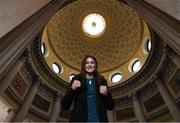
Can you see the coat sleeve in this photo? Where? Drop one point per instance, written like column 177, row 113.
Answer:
column 109, row 101
column 68, row 98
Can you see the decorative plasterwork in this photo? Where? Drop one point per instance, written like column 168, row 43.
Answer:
column 112, row 49
column 123, row 41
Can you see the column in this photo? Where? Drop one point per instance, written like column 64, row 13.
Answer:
column 168, row 99
column 163, row 24
column 56, row 108
column 175, row 58
column 111, row 116
column 11, row 114
column 137, row 108
column 23, row 110
column 8, row 78
column 14, row 43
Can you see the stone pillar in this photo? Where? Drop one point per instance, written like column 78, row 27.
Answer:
column 11, row 114
column 23, row 110
column 16, row 40
column 8, row 78
column 168, row 99
column 56, row 108
column 175, row 58
column 166, row 27
column 137, row 108
column 111, row 116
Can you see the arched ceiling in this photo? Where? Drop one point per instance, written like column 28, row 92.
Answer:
column 117, row 45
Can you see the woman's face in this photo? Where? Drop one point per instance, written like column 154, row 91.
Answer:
column 90, row 65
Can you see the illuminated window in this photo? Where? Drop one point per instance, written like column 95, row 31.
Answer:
column 148, row 46
column 135, row 66
column 44, row 50
column 56, row 68
column 94, row 25
column 116, row 77
column 71, row 76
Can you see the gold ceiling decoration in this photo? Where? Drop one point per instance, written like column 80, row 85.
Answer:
column 113, row 48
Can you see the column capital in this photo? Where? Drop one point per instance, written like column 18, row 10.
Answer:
column 165, row 51
column 36, row 84
column 171, row 53
column 132, row 94
column 58, row 94
column 135, row 96
column 157, row 77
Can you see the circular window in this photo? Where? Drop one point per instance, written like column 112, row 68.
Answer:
column 56, row 68
column 71, row 76
column 116, row 77
column 148, row 46
column 44, row 49
column 135, row 66
column 94, row 25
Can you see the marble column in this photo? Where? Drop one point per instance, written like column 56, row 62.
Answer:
column 168, row 99
column 11, row 114
column 166, row 27
column 8, row 78
column 56, row 108
column 111, row 116
column 137, row 108
column 23, row 109
column 16, row 40
column 175, row 58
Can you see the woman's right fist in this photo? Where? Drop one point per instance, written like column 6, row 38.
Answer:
column 76, row 84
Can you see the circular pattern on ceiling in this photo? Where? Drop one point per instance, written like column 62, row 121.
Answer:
column 94, row 25
column 112, row 49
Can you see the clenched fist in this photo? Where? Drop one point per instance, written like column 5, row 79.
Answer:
column 103, row 89
column 76, row 84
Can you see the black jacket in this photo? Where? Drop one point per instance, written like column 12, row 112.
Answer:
column 79, row 96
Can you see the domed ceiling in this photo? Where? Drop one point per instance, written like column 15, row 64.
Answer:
column 118, row 46
column 119, row 42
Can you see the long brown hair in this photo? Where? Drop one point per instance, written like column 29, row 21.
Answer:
column 83, row 63
column 83, row 71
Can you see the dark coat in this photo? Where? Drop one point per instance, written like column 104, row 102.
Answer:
column 79, row 96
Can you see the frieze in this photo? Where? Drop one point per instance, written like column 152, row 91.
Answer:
column 168, row 70
column 46, row 91
column 123, row 101
column 27, row 73
column 146, row 71
column 147, row 90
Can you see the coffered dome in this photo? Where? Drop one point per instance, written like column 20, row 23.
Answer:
column 109, row 30
column 119, row 42
column 43, row 43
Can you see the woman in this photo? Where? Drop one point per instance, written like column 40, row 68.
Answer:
column 89, row 92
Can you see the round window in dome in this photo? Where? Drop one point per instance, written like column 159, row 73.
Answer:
column 116, row 77
column 56, row 68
